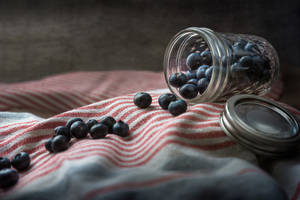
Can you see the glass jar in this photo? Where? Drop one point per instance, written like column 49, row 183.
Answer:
column 201, row 65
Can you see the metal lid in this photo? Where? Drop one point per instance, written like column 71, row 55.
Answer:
column 260, row 125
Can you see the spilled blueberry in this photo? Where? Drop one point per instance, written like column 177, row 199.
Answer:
column 79, row 130
column 4, row 163
column 177, row 107
column 59, row 143
column 98, row 131
column 142, row 100
column 63, row 130
column 8, row 177
column 90, row 123
column 165, row 99
column 71, row 121
column 109, row 122
column 48, row 145
column 21, row 161
column 121, row 129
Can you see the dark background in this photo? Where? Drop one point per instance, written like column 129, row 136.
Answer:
column 40, row 38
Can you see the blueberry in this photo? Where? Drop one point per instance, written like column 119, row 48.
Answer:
column 190, row 74
column 59, row 143
column 201, row 71
column 188, row 91
column 48, row 145
column 202, row 85
column 165, row 99
column 98, row 131
column 121, row 129
column 251, row 48
column 206, row 57
column 109, row 122
column 177, row 79
column 62, row 130
column 21, row 161
column 71, row 121
column 90, row 123
column 193, row 61
column 142, row 100
column 4, row 163
column 8, row 177
column 246, row 61
column 79, row 130
column 259, row 70
column 208, row 73
column 177, row 107
column 236, row 71
column 241, row 43
column 193, row 81
column 259, row 61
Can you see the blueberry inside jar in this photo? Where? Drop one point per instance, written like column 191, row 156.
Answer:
column 201, row 65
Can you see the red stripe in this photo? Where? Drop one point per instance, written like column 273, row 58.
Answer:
column 24, row 95
column 59, row 101
column 60, row 106
column 63, row 95
column 13, row 105
column 33, row 105
column 80, row 96
column 17, row 123
column 12, row 130
column 43, row 100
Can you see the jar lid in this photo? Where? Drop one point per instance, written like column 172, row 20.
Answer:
column 260, row 125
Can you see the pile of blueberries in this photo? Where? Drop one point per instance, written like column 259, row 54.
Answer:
column 249, row 64
column 197, row 78
column 166, row 101
column 77, row 128
column 8, row 176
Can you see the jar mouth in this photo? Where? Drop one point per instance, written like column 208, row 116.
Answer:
column 193, row 40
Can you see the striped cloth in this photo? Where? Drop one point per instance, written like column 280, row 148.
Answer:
column 165, row 157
